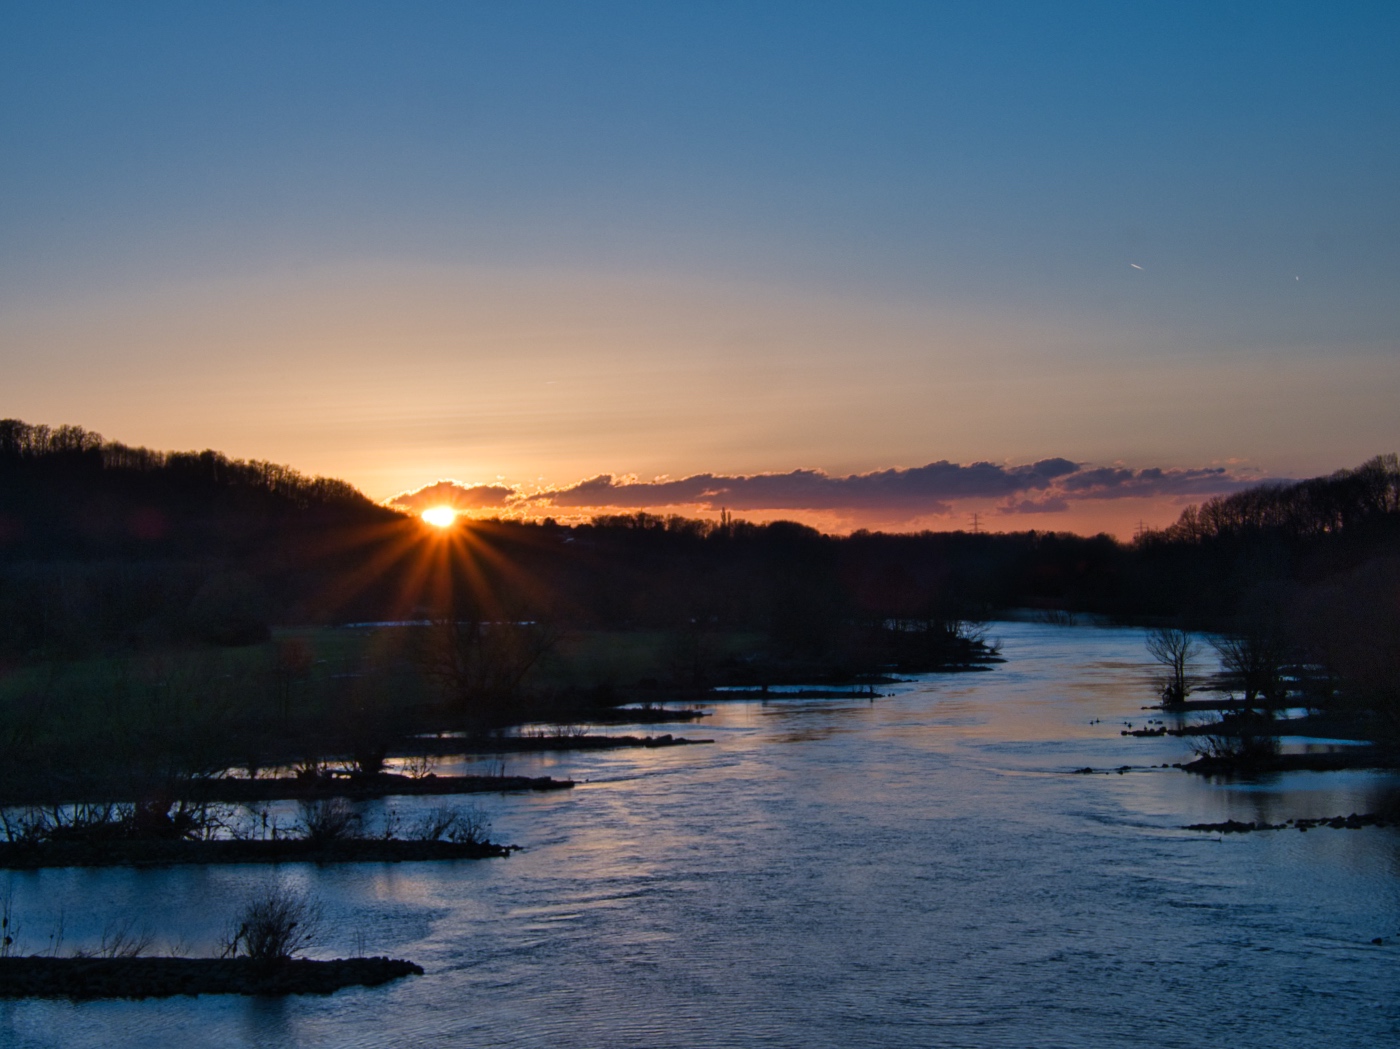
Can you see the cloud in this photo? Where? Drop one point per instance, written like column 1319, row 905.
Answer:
column 1117, row 483
column 1047, row 486
column 922, row 489
column 906, row 494
column 1054, row 504
column 457, row 496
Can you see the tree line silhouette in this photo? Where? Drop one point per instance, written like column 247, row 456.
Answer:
column 99, row 539
column 109, row 548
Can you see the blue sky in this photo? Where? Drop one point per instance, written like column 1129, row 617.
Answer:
column 540, row 242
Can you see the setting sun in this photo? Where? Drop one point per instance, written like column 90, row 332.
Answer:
column 440, row 516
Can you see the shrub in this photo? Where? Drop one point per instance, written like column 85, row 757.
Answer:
column 420, row 766
column 310, row 770
column 273, row 926
column 120, row 940
column 470, row 827
column 328, row 819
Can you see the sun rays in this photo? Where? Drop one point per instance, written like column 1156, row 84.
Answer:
column 427, row 567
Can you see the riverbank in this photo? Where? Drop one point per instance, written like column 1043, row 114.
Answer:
column 87, row 978
column 1255, row 764
column 54, row 790
column 543, row 743
column 361, row 788
column 238, row 789
column 799, row 693
column 1315, row 726
column 1352, row 822
column 646, row 714
column 137, row 853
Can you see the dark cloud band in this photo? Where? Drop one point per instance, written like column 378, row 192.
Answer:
column 1047, row 486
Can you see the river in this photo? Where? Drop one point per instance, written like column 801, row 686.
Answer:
column 923, row 869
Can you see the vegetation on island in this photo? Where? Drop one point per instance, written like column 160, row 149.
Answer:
column 327, row 830
column 258, row 954
column 1310, row 622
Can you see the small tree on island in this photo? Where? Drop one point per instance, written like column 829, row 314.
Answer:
column 273, row 926
column 1257, row 663
column 1175, row 650
column 480, row 666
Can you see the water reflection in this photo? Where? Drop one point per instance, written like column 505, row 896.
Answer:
column 925, row 869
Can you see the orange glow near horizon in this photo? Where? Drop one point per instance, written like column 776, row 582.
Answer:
column 1120, row 518
column 440, row 516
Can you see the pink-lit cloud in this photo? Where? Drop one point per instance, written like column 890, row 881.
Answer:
column 457, row 496
column 1056, row 489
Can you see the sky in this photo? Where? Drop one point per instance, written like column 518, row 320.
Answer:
column 1058, row 265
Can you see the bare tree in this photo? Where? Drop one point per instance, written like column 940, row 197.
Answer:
column 481, row 666
column 1175, row 650
column 1256, row 663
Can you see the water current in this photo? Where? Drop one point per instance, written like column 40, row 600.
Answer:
column 923, row 869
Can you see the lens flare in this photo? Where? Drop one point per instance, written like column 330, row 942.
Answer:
column 440, row 516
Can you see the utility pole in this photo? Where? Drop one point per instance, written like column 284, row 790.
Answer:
column 975, row 519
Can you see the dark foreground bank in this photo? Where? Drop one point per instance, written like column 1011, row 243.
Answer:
column 165, row 977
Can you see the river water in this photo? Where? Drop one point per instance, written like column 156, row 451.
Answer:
column 920, row 870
